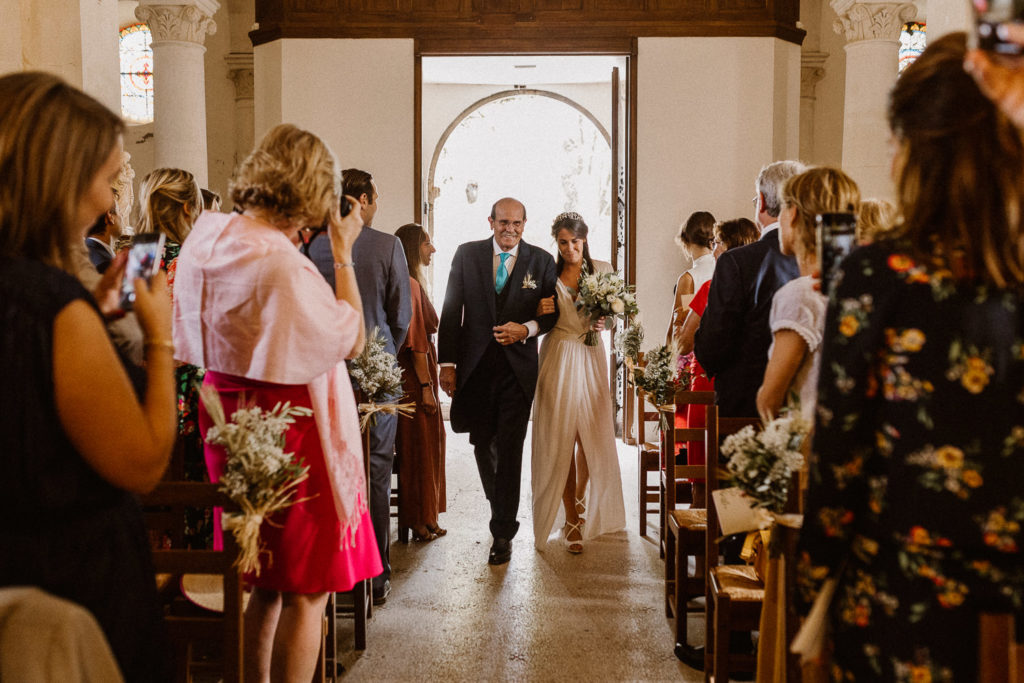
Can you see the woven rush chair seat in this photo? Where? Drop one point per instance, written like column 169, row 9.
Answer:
column 692, row 519
column 739, row 582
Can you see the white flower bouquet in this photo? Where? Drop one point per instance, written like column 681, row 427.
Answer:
column 603, row 295
column 259, row 476
column 377, row 374
column 761, row 463
column 660, row 377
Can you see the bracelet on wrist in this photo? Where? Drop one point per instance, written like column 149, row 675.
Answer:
column 339, row 266
column 159, row 344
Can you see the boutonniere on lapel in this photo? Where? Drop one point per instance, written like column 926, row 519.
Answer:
column 529, row 282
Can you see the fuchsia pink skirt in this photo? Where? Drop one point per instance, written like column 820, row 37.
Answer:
column 303, row 542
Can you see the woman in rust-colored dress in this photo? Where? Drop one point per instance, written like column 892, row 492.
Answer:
column 420, row 443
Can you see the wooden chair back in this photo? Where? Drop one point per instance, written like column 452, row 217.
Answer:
column 186, row 624
column 676, row 437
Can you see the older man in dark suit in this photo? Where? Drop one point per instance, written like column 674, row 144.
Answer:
column 383, row 278
column 733, row 338
column 487, row 348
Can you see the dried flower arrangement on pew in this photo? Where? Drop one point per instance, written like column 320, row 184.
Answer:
column 377, row 374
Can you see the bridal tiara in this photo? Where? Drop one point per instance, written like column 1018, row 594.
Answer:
column 568, row 215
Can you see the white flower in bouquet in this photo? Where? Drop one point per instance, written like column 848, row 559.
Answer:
column 660, row 377
column 761, row 463
column 603, row 295
column 377, row 374
column 259, row 475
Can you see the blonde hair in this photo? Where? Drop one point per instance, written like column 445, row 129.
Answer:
column 164, row 196
column 875, row 218
column 822, row 189
column 291, row 173
column 54, row 139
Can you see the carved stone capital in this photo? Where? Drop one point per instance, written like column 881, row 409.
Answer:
column 812, row 70
column 242, row 74
column 179, row 20
column 871, row 19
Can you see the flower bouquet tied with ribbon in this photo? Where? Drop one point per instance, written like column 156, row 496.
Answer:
column 629, row 344
column 603, row 295
column 377, row 374
column 258, row 475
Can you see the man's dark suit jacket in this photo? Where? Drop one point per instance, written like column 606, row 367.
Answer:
column 383, row 278
column 733, row 338
column 99, row 254
column 472, row 309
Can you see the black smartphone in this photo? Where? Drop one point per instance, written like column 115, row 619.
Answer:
column 837, row 236
column 988, row 14
column 345, row 205
column 143, row 261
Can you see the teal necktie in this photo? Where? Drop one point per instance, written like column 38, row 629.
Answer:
column 502, row 276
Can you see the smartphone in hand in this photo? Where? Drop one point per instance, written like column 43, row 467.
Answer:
column 837, row 236
column 988, row 14
column 143, row 261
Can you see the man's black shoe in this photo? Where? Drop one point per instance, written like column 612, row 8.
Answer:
column 380, row 596
column 691, row 656
column 501, row 551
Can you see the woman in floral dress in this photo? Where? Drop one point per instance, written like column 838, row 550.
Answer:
column 915, row 503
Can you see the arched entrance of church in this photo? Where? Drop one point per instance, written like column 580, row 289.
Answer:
column 541, row 147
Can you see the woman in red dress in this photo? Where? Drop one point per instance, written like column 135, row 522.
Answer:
column 420, row 443
column 261, row 319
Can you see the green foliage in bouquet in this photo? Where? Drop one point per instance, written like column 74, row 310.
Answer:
column 629, row 343
column 762, row 463
column 603, row 295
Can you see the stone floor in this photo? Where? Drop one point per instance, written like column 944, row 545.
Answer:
column 548, row 616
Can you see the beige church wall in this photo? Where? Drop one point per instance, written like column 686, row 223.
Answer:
column 444, row 102
column 220, row 105
column 361, row 105
column 830, row 92
column 10, row 36
column 946, row 16
column 702, row 136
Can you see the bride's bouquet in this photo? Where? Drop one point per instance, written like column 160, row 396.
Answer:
column 761, row 463
column 259, row 476
column 377, row 374
column 603, row 295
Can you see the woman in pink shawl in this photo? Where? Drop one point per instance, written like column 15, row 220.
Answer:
column 262, row 320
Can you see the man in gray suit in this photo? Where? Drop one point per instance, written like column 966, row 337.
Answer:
column 383, row 278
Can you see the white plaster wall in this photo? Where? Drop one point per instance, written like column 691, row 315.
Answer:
column 100, row 57
column 702, row 136
column 946, row 16
column 368, row 122
column 830, row 93
column 220, row 105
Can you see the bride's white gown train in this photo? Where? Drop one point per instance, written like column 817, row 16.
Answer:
column 573, row 399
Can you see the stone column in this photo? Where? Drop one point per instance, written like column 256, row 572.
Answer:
column 872, row 32
column 812, row 70
column 240, row 71
column 179, row 28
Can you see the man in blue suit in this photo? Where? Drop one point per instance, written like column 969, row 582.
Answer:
column 383, row 278
column 487, row 348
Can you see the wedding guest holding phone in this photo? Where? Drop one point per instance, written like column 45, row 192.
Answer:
column 420, row 442
column 797, row 319
column 81, row 429
column 268, row 328
column 914, row 505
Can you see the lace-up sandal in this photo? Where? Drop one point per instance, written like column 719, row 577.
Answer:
column 581, row 508
column 574, row 546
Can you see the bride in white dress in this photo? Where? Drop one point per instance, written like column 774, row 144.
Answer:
column 575, row 471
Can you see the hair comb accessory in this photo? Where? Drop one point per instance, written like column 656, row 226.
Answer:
column 567, row 215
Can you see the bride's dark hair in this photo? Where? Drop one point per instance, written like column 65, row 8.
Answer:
column 573, row 222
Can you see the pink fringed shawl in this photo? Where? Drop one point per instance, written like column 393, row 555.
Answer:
column 247, row 303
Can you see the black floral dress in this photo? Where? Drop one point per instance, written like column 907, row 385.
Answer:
column 916, row 498
column 198, row 522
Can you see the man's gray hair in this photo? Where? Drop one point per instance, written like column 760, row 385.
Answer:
column 771, row 179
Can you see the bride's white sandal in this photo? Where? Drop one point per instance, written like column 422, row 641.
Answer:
column 574, row 547
column 581, row 508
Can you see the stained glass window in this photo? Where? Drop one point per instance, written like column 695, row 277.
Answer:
column 136, row 74
column 912, row 42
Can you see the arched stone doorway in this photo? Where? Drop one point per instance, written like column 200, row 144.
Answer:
column 541, row 147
